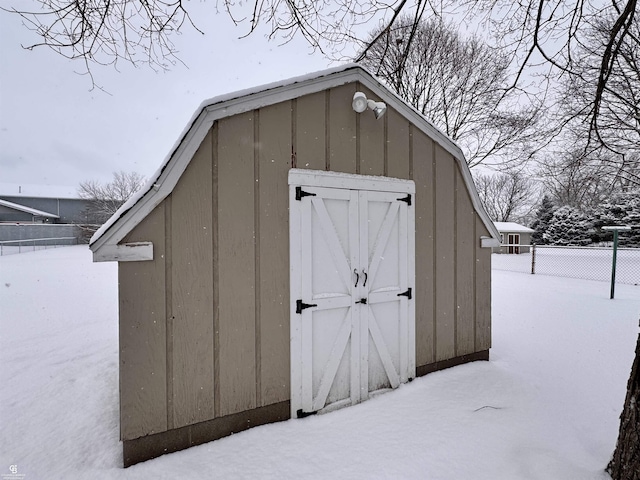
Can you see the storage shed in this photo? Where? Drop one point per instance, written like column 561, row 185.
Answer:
column 304, row 246
column 514, row 238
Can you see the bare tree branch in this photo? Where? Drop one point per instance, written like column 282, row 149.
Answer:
column 507, row 197
column 604, row 121
column 106, row 198
column 544, row 40
column 106, row 32
column 459, row 84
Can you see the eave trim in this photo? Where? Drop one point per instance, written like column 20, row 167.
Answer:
column 125, row 252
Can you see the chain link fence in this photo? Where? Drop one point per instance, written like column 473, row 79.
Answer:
column 589, row 263
column 27, row 237
column 10, row 247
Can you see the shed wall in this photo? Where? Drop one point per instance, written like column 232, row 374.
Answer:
column 188, row 235
column 143, row 334
column 205, row 325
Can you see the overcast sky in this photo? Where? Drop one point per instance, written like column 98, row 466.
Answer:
column 55, row 131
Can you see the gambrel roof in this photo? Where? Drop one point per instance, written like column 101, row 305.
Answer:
column 161, row 184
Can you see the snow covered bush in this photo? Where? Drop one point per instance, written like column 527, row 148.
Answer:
column 568, row 226
column 621, row 209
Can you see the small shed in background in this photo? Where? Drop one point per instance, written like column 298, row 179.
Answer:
column 304, row 246
column 514, row 238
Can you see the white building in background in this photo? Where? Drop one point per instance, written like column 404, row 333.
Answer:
column 514, row 238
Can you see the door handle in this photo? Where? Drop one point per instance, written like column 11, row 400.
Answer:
column 365, row 278
column 357, row 277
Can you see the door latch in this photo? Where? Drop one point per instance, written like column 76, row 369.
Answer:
column 362, row 301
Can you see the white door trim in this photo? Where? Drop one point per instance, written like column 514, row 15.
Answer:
column 320, row 178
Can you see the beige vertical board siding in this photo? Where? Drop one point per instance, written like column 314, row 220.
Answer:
column 192, row 291
column 465, row 270
column 143, row 361
column 310, row 130
column 342, row 129
column 423, row 177
column 273, row 205
column 236, row 257
column 215, row 295
column 371, row 139
column 483, row 290
column 397, row 144
column 445, row 254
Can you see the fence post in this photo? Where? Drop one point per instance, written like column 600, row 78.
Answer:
column 613, row 265
column 533, row 259
column 615, row 229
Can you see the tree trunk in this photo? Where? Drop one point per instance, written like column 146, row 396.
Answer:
column 625, row 464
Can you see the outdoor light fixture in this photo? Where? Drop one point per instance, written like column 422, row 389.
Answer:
column 360, row 104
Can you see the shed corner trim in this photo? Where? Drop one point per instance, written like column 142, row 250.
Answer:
column 125, row 252
column 489, row 242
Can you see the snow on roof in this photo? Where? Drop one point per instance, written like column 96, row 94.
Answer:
column 512, row 227
column 38, row 191
column 32, row 211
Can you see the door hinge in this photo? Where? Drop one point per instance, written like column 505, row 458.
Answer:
column 406, row 199
column 406, row 294
column 301, row 306
column 302, row 414
column 301, row 193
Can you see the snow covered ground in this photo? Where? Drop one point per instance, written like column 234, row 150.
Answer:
column 545, row 407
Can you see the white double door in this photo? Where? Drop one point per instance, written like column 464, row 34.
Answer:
column 353, row 320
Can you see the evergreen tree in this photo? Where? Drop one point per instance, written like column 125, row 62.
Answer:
column 568, row 226
column 621, row 209
column 543, row 217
